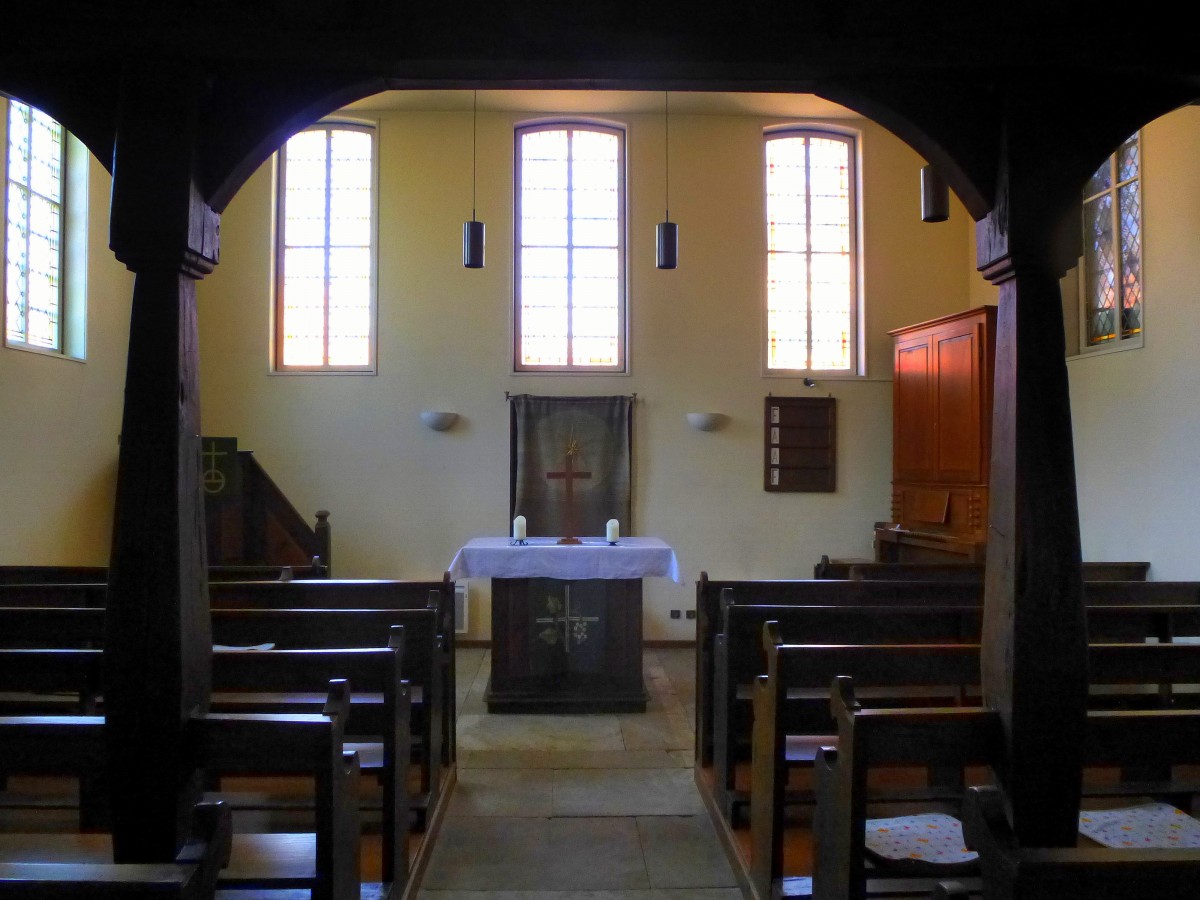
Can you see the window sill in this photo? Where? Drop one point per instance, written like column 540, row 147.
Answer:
column 1109, row 349
column 44, row 351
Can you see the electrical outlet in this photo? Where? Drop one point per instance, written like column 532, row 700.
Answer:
column 691, row 614
column 674, row 614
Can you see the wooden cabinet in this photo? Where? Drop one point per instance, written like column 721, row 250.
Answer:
column 942, row 418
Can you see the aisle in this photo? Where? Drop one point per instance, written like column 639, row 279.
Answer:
column 599, row 807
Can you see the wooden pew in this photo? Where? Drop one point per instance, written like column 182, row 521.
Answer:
column 99, row 574
column 710, row 595
column 739, row 658
column 1150, row 741
column 322, row 594
column 277, row 681
column 896, row 571
column 325, row 862
column 790, row 732
column 192, row 876
column 359, row 594
column 1011, row 872
column 424, row 664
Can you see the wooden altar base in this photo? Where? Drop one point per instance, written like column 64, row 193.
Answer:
column 566, row 646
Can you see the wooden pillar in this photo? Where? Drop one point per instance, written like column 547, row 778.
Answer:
column 1034, row 637
column 158, row 641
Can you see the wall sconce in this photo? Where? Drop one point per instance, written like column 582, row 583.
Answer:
column 438, row 420
column 707, row 421
column 667, row 233
column 809, row 383
column 473, row 230
column 935, row 196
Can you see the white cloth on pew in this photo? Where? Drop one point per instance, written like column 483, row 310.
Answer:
column 243, row 647
column 1149, row 826
column 544, row 557
column 931, row 841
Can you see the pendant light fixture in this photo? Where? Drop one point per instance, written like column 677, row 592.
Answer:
column 473, row 230
column 935, row 196
column 668, row 231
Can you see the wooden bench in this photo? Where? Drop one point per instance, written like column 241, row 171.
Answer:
column 1149, row 742
column 325, row 862
column 711, row 595
column 915, row 571
column 99, row 574
column 1011, row 872
column 739, row 658
column 425, row 662
column 192, row 876
column 378, row 724
column 423, row 666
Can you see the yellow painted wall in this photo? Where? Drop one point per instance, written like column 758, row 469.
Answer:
column 1136, row 412
column 404, row 498
column 61, row 417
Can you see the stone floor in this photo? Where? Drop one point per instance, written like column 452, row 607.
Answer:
column 599, row 807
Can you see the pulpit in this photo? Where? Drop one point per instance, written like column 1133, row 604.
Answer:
column 566, row 620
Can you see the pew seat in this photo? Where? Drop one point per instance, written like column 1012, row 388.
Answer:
column 192, row 875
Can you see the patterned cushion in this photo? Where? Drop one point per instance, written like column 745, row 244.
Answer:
column 932, row 842
column 1150, row 826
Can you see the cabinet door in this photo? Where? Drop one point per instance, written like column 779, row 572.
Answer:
column 959, row 362
column 914, row 428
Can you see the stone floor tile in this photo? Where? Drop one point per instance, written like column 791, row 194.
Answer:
column 536, row 854
column 523, row 732
column 502, row 792
column 626, row 792
column 678, row 851
column 569, row 759
column 655, row 731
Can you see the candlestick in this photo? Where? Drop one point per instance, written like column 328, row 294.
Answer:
column 612, row 531
column 519, row 528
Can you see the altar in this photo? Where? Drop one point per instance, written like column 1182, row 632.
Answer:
column 566, row 620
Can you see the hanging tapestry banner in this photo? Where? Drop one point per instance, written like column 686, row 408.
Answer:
column 570, row 463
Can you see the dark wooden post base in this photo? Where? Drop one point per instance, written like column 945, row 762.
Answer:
column 1035, row 647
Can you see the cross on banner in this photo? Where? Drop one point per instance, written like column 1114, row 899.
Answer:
column 568, row 476
column 599, row 483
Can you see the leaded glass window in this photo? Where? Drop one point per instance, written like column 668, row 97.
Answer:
column 33, row 244
column 325, row 258
column 812, row 266
column 570, row 248
column 1112, row 250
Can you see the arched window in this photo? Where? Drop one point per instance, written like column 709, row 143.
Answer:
column 812, row 321
column 325, row 251
column 570, row 248
column 45, row 305
column 1111, row 286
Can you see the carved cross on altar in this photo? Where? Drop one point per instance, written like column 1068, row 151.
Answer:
column 568, row 475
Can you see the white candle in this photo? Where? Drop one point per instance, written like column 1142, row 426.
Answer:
column 519, row 528
column 612, row 530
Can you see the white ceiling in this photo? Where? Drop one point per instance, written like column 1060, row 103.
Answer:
column 602, row 102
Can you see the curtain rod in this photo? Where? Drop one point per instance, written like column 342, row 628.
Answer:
column 633, row 397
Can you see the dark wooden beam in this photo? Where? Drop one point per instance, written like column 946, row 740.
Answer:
column 157, row 643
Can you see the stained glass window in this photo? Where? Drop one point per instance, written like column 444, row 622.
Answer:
column 570, row 248
column 325, row 310
column 1111, row 282
column 33, row 244
column 812, row 297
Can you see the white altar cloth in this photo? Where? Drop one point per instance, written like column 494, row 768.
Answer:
column 543, row 557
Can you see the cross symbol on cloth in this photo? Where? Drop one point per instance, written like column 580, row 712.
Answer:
column 568, row 475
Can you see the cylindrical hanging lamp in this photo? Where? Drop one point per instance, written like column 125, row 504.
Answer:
column 473, row 231
column 667, row 244
column 935, row 196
